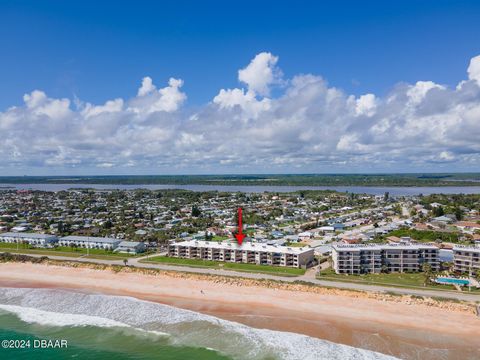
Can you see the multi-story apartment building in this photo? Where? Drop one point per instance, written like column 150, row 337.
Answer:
column 248, row 253
column 89, row 242
column 40, row 240
column 373, row 258
column 466, row 259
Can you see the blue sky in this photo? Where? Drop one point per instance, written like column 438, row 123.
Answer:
column 92, row 52
column 100, row 49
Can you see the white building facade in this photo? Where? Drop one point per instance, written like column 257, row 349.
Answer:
column 373, row 258
column 248, row 253
column 89, row 242
column 130, row 247
column 40, row 240
column 466, row 259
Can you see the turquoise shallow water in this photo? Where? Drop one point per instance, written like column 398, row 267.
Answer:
column 118, row 327
column 92, row 342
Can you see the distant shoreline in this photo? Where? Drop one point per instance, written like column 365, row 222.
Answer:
column 321, row 180
column 371, row 190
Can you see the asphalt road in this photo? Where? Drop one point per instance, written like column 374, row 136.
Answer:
column 308, row 277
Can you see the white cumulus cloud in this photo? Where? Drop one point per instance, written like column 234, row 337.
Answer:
column 260, row 73
column 309, row 126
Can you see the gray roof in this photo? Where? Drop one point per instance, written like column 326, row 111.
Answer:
column 28, row 235
column 129, row 244
column 90, row 239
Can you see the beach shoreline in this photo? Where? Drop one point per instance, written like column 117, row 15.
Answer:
column 395, row 325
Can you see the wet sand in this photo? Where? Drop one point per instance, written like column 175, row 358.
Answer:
column 406, row 330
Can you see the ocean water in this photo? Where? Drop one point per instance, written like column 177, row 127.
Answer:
column 117, row 327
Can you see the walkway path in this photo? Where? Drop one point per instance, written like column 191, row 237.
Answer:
column 309, row 277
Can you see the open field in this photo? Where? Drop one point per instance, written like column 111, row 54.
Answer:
column 296, row 244
column 426, row 235
column 219, row 238
column 221, row 265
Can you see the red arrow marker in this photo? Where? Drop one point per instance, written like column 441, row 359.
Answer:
column 240, row 235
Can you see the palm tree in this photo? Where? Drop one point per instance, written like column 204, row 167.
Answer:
column 125, row 262
column 427, row 272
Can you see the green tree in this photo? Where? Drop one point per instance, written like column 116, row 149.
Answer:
column 438, row 211
column 196, row 211
column 386, row 196
column 427, row 273
column 459, row 214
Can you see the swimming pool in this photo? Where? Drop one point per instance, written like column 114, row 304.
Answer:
column 452, row 281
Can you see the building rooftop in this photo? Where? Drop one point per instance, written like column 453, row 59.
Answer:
column 90, row 239
column 129, row 244
column 245, row 246
column 467, row 248
column 369, row 247
column 28, row 235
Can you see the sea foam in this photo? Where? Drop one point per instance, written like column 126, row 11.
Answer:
column 186, row 328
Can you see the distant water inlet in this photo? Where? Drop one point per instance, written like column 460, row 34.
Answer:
column 116, row 327
column 372, row 190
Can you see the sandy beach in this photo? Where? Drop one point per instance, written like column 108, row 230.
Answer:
column 400, row 326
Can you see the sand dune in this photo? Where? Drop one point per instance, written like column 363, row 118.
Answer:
column 405, row 328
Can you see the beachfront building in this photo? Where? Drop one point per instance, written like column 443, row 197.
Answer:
column 248, row 253
column 130, row 247
column 89, row 242
column 375, row 258
column 40, row 240
column 466, row 259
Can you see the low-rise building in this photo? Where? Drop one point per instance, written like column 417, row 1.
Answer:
column 466, row 259
column 40, row 240
column 249, row 253
column 373, row 258
column 89, row 242
column 130, row 247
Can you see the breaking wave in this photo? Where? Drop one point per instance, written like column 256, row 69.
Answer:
column 185, row 328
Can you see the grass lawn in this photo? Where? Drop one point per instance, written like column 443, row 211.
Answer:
column 412, row 280
column 40, row 252
column 219, row 238
column 295, row 244
column 61, row 251
column 275, row 270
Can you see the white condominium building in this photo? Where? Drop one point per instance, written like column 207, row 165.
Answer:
column 89, row 242
column 466, row 259
column 249, row 253
column 40, row 240
column 373, row 258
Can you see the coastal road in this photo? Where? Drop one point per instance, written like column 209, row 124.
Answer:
column 309, row 277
